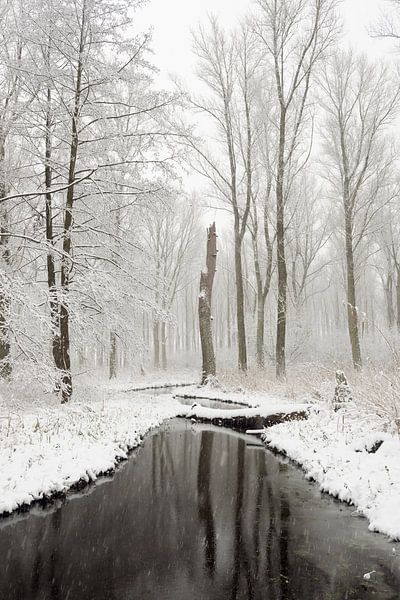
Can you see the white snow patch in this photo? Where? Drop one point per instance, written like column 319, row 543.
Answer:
column 47, row 448
column 284, row 408
column 257, row 404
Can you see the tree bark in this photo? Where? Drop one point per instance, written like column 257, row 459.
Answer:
column 389, row 300
column 228, row 315
column 260, row 298
column 156, row 344
column 260, row 353
column 241, row 326
column 280, row 252
column 205, row 297
column 66, row 264
column 187, row 323
column 262, row 287
column 5, row 364
column 398, row 297
column 113, row 355
column 352, row 315
column 51, row 271
column 164, row 345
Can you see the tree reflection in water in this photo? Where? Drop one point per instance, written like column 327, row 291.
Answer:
column 206, row 516
column 201, row 514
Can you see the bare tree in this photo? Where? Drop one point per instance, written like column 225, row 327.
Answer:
column 388, row 26
column 81, row 169
column 295, row 35
column 170, row 242
column 387, row 261
column 361, row 101
column 11, row 106
column 255, row 135
column 218, row 55
column 262, row 239
column 205, row 298
column 308, row 234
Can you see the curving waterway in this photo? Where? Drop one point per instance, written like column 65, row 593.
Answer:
column 198, row 513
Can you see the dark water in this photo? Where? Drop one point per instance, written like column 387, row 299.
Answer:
column 190, row 401
column 211, row 403
column 198, row 513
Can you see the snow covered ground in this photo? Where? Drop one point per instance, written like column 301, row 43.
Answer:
column 47, row 448
column 151, row 379
column 266, row 402
column 342, row 453
column 254, row 404
column 210, row 392
column 267, row 409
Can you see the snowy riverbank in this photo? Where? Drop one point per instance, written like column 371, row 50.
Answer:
column 46, row 448
column 350, row 458
column 261, row 402
column 349, row 453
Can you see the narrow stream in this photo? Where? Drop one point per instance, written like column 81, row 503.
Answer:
column 208, row 403
column 198, row 513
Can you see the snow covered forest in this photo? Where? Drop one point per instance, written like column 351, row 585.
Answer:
column 289, row 143
column 239, row 226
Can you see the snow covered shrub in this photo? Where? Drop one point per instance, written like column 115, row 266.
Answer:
column 377, row 394
column 342, row 391
column 213, row 382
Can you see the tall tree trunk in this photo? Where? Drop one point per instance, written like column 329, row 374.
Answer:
column 260, row 353
column 241, row 327
column 389, row 300
column 187, row 323
column 280, row 254
column 228, row 316
column 240, row 230
column 352, row 315
column 260, row 302
column 205, row 297
column 66, row 261
column 113, row 356
column 51, row 271
column 262, row 289
column 144, row 328
column 147, row 329
column 164, row 345
column 156, row 344
column 398, row 297
column 337, row 311
column 5, row 363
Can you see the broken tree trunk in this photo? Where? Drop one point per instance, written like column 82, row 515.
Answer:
column 206, row 285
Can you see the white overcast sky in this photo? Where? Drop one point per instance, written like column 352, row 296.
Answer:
column 173, row 20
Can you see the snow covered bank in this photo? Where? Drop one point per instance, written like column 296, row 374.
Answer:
column 152, row 380
column 46, row 448
column 266, row 402
column 198, row 392
column 275, row 408
column 343, row 454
